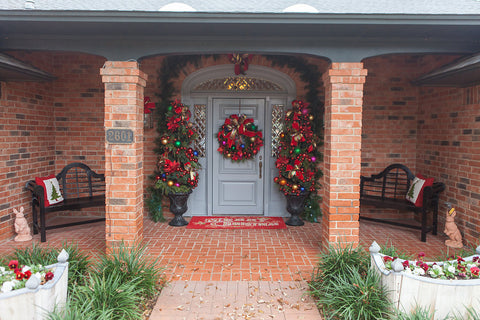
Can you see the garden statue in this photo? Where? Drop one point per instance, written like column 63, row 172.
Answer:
column 21, row 226
column 451, row 229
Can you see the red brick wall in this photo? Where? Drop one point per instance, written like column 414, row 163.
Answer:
column 26, row 142
column 47, row 125
column 391, row 114
column 449, row 138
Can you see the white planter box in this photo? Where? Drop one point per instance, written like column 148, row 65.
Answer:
column 35, row 300
column 443, row 297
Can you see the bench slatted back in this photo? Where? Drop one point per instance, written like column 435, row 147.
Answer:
column 77, row 181
column 392, row 183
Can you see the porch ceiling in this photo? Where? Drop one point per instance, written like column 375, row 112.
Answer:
column 340, row 37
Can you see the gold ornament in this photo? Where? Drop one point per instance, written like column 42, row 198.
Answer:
column 253, row 139
column 164, row 140
column 294, row 187
column 282, row 135
column 310, row 117
column 228, row 155
column 282, row 182
column 170, row 183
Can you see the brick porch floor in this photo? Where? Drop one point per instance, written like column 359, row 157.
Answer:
column 231, row 255
column 236, row 274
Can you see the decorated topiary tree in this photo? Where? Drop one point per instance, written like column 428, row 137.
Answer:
column 177, row 165
column 176, row 173
column 298, row 157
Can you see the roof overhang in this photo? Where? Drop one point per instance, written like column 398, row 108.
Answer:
column 12, row 69
column 120, row 35
column 461, row 73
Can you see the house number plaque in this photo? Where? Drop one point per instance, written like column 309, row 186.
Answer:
column 119, row 136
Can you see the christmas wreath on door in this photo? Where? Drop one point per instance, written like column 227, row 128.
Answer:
column 239, row 138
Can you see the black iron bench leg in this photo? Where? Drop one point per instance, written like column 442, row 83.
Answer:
column 424, row 225
column 435, row 218
column 34, row 217
column 43, row 236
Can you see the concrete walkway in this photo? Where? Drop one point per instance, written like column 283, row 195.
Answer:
column 232, row 300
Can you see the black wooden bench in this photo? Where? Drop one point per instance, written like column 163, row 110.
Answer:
column 80, row 187
column 389, row 188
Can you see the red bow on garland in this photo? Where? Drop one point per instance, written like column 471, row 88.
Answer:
column 148, row 105
column 241, row 62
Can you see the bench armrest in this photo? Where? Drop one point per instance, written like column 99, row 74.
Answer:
column 36, row 190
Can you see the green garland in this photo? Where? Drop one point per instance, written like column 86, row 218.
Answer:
column 172, row 67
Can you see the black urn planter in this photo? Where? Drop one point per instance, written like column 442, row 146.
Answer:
column 178, row 206
column 295, row 206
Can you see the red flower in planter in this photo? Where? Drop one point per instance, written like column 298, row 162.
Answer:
column 475, row 271
column 13, row 264
column 19, row 276
column 27, row 274
column 405, row 264
column 49, row 276
column 421, row 255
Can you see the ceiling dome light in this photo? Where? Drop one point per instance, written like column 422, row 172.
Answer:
column 177, row 7
column 301, row 8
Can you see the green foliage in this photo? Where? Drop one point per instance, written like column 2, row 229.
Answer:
column 468, row 249
column 78, row 260
column 345, row 287
column 355, row 296
column 389, row 250
column 133, row 265
column 107, row 296
column 312, row 208
column 423, row 313
column 417, row 314
column 337, row 262
column 35, row 255
column 154, row 205
column 117, row 287
column 78, row 264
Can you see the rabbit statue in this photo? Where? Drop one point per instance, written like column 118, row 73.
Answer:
column 451, row 230
column 21, row 226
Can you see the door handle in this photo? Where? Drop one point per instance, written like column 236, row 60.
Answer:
column 260, row 164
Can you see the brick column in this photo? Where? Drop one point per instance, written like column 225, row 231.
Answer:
column 124, row 85
column 342, row 155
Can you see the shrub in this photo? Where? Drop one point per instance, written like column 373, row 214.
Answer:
column 345, row 287
column 104, row 297
column 338, row 261
column 133, row 265
column 356, row 296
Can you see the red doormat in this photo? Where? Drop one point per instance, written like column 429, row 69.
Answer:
column 236, row 223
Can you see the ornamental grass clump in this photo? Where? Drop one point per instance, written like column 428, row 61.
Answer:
column 119, row 286
column 107, row 296
column 135, row 266
column 346, row 288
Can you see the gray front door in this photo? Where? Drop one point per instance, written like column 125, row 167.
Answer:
column 238, row 186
